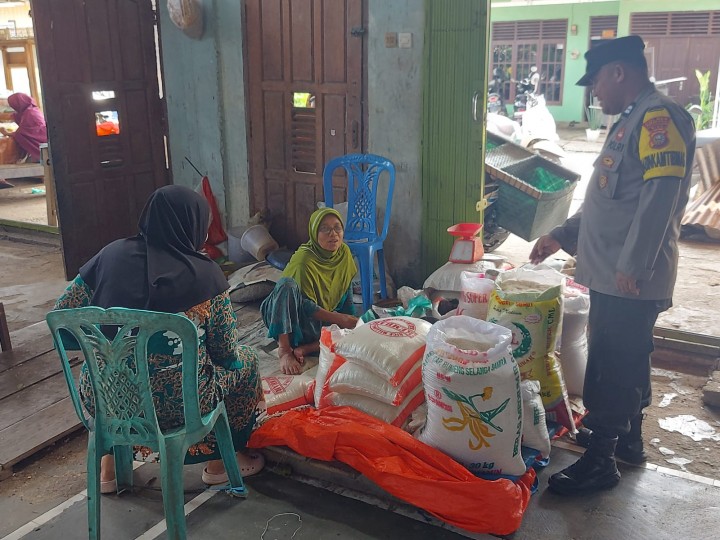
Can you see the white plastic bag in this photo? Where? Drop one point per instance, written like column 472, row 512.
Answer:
column 472, row 389
column 475, row 294
column 535, row 432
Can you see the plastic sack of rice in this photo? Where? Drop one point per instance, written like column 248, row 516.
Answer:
column 352, row 378
column 285, row 392
column 328, row 363
column 535, row 431
column 389, row 347
column 573, row 346
column 528, row 301
column 472, row 389
column 392, row 414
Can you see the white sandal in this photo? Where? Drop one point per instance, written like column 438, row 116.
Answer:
column 257, row 462
column 108, row 486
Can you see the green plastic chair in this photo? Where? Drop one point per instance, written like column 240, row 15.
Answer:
column 124, row 409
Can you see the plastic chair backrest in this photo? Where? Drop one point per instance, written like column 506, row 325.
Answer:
column 114, row 343
column 363, row 174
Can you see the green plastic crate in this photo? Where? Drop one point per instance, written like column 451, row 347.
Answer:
column 534, row 196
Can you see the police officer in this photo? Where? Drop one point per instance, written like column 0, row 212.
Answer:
column 625, row 241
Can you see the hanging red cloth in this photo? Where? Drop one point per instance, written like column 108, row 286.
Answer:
column 216, row 232
column 403, row 466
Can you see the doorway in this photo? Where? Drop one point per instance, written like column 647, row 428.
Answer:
column 105, row 118
column 23, row 191
column 305, row 72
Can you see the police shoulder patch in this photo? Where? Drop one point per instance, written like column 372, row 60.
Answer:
column 662, row 149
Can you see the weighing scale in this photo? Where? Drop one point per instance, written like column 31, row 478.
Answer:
column 468, row 247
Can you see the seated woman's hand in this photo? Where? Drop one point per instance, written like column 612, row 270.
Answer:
column 346, row 321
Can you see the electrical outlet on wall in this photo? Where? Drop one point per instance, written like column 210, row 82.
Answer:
column 405, row 40
column 391, row 40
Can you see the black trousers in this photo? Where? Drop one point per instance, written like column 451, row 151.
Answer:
column 617, row 379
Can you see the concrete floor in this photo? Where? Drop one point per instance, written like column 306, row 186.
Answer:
column 647, row 504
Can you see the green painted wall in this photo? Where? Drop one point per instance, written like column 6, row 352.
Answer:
column 579, row 14
column 205, row 95
column 455, row 70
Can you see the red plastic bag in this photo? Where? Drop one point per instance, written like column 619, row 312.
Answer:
column 403, row 466
column 216, row 232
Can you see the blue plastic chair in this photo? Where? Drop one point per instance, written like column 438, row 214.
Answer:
column 361, row 231
column 124, row 409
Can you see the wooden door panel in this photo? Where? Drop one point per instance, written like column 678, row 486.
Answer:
column 301, row 39
column 302, row 47
column 102, row 182
column 335, row 133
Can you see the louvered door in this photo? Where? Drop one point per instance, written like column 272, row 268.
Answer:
column 305, row 82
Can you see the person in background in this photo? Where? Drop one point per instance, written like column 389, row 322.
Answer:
column 162, row 269
column 31, row 131
column 316, row 288
column 625, row 236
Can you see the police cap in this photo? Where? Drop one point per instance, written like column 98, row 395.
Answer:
column 628, row 49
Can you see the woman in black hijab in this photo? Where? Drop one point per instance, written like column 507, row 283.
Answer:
column 162, row 269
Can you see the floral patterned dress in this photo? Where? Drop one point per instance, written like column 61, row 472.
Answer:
column 227, row 371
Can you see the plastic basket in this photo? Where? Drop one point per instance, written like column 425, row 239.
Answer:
column 534, row 197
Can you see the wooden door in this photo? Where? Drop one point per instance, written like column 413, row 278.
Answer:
column 679, row 57
column 104, row 115
column 305, row 83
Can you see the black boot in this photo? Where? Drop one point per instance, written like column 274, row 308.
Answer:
column 594, row 471
column 629, row 447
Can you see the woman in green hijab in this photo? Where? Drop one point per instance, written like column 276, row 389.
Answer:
column 315, row 289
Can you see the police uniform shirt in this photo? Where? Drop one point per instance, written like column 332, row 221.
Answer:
column 630, row 219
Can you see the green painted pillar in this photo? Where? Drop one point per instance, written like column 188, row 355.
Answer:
column 454, row 105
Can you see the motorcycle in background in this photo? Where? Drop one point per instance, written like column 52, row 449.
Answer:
column 495, row 101
column 526, row 91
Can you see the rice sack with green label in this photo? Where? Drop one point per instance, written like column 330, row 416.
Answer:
column 472, row 389
column 528, row 301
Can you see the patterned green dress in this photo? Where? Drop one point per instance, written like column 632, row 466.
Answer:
column 227, row 371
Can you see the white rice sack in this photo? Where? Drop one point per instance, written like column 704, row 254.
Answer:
column 528, row 301
column 472, row 389
column 392, row 414
column 352, row 378
column 535, row 433
column 285, row 392
column 573, row 346
column 389, row 347
column 328, row 362
column 475, row 295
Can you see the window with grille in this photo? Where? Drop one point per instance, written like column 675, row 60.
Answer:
column 519, row 45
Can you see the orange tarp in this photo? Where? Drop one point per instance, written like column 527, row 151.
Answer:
column 403, row 466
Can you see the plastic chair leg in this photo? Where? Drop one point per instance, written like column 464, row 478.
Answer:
column 381, row 273
column 123, row 467
column 93, row 488
column 227, row 451
column 366, row 278
column 171, row 477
